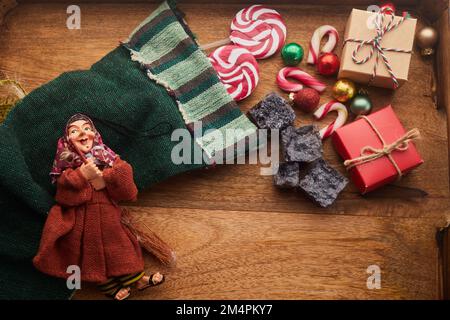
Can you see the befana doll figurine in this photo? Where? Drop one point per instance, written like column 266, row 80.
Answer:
column 84, row 228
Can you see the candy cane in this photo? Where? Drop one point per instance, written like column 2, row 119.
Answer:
column 323, row 110
column 314, row 47
column 300, row 75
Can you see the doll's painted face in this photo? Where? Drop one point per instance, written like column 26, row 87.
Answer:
column 81, row 134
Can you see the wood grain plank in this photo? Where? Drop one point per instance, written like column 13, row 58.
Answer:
column 241, row 188
column 5, row 7
column 236, row 235
column 247, row 255
column 443, row 63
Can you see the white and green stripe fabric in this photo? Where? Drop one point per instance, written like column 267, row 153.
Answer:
column 167, row 51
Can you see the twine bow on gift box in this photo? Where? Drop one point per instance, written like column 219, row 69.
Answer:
column 375, row 43
column 369, row 153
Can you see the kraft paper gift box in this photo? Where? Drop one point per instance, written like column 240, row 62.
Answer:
column 361, row 27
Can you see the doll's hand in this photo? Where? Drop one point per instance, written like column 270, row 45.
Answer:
column 90, row 171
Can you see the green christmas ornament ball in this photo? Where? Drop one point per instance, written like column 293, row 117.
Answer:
column 292, row 54
column 361, row 105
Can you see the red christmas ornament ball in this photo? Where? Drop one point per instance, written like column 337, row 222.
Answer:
column 306, row 99
column 388, row 6
column 328, row 64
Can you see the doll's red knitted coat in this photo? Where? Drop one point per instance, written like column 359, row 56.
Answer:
column 84, row 228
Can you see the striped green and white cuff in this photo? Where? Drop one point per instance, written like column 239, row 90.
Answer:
column 167, row 51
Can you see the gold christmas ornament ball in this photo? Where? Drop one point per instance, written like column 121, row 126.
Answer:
column 344, row 90
column 426, row 40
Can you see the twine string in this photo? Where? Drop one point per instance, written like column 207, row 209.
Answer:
column 375, row 44
column 369, row 153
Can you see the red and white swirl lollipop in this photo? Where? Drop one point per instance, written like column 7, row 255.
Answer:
column 259, row 29
column 237, row 70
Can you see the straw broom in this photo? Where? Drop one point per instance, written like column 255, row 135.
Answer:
column 148, row 239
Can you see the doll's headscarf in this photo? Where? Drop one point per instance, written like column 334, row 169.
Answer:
column 67, row 156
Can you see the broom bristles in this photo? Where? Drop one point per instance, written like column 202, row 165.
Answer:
column 149, row 240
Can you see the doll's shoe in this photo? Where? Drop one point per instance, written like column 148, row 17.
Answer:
column 152, row 283
column 123, row 297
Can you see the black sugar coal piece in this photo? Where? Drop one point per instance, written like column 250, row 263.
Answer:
column 287, row 175
column 273, row 112
column 322, row 183
column 302, row 144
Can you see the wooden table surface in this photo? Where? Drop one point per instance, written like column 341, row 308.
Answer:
column 235, row 234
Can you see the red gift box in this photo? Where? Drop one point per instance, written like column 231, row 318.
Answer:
column 353, row 138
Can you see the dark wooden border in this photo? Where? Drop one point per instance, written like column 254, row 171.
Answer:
column 437, row 14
